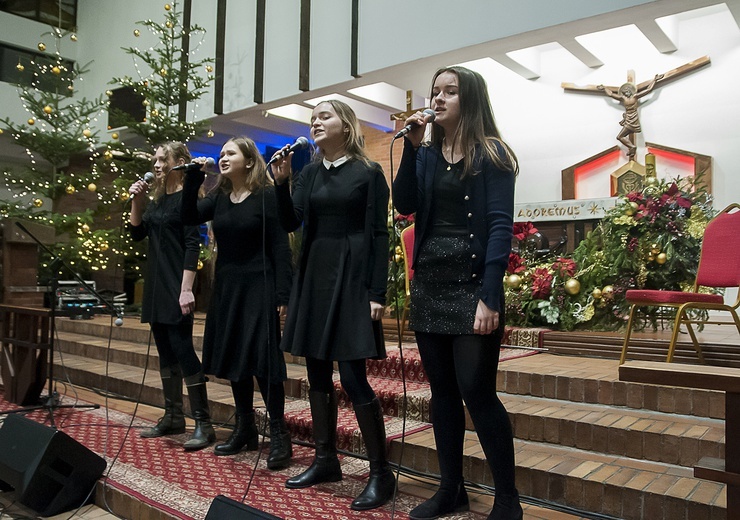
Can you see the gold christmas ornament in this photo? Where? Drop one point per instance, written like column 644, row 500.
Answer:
column 155, row 112
column 168, row 24
column 650, row 257
column 56, row 70
column 85, row 228
column 31, row 121
column 20, row 67
column 48, row 109
column 137, row 33
column 86, row 132
column 513, row 281
column 104, row 246
column 124, row 196
column 109, row 93
column 397, row 258
column 1, row 131
column 200, row 265
column 162, row 72
column 596, row 293
column 608, row 292
column 167, row 7
column 572, row 286
column 107, row 155
column 209, row 69
column 210, row 133
column 145, row 103
column 92, row 187
column 114, row 135
column 70, row 189
column 654, row 249
column 38, row 203
column 661, row 258
column 73, row 37
column 42, row 47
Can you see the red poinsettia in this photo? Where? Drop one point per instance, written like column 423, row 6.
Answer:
column 564, row 267
column 541, row 283
column 523, row 229
column 673, row 193
column 407, row 218
column 516, row 264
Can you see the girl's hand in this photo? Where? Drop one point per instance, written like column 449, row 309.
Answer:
column 486, row 320
column 281, row 168
column 376, row 311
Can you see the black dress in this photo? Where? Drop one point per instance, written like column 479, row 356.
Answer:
column 344, row 260
column 173, row 247
column 252, row 278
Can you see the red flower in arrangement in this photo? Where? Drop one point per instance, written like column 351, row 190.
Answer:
column 516, row 264
column 541, row 283
column 564, row 267
column 635, row 196
column 523, row 229
column 408, row 218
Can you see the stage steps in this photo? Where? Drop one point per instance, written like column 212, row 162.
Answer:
column 583, row 438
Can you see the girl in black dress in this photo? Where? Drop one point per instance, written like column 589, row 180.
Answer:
column 341, row 199
column 251, row 286
column 168, row 294
column 461, row 186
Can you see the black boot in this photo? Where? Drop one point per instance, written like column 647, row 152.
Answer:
column 506, row 507
column 173, row 421
column 281, row 449
column 381, row 483
column 325, row 467
column 245, row 434
column 203, row 435
column 448, row 499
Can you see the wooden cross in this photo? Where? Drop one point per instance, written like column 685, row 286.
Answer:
column 628, row 95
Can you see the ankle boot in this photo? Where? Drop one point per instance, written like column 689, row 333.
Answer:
column 281, row 448
column 448, row 499
column 381, row 483
column 173, row 421
column 325, row 467
column 203, row 435
column 245, row 434
column 506, row 507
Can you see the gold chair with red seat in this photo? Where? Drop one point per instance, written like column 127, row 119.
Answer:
column 407, row 247
column 719, row 267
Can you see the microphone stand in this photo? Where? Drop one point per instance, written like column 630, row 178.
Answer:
column 51, row 401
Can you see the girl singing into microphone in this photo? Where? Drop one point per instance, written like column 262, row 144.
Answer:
column 341, row 199
column 251, row 285
column 168, row 303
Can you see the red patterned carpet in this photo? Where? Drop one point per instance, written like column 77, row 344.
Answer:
column 160, row 473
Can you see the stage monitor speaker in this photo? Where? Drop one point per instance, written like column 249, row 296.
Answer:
column 49, row 471
column 223, row 508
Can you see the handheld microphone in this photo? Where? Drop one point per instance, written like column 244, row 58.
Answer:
column 299, row 144
column 149, row 179
column 193, row 166
column 119, row 321
column 430, row 115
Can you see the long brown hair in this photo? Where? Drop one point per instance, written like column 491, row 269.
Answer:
column 173, row 150
column 477, row 125
column 257, row 176
column 354, row 141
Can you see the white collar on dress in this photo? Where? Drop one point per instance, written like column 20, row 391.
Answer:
column 328, row 164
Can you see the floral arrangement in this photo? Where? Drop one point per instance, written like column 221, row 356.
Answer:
column 650, row 240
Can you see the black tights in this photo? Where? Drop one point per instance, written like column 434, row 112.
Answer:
column 272, row 394
column 464, row 368
column 352, row 375
column 175, row 346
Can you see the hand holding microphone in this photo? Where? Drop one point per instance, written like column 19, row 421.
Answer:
column 418, row 120
column 141, row 186
column 279, row 166
column 199, row 163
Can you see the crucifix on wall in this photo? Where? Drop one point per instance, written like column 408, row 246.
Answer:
column 628, row 95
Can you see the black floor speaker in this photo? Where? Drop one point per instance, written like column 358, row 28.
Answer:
column 224, row 508
column 49, row 471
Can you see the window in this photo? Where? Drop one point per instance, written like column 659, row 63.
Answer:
column 11, row 56
column 58, row 13
column 125, row 106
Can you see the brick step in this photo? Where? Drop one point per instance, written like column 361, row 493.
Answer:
column 622, row 487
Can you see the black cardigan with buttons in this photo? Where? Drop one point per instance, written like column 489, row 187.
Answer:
column 489, row 201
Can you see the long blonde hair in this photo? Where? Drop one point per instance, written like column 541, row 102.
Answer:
column 173, row 150
column 354, row 140
column 477, row 125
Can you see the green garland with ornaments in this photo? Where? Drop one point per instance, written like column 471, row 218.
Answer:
column 650, row 240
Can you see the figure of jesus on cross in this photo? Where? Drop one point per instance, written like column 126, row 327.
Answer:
column 628, row 96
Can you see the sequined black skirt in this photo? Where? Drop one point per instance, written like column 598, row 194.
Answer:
column 444, row 296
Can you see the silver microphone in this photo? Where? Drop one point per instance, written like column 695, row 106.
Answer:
column 430, row 115
column 193, row 166
column 299, row 144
